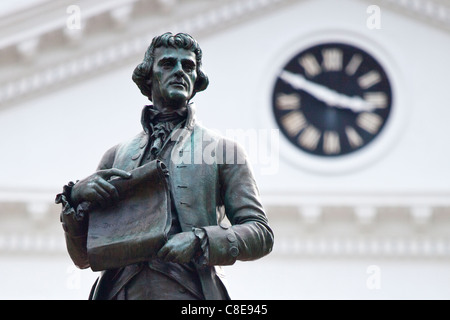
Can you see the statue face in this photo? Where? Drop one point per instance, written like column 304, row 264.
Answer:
column 174, row 75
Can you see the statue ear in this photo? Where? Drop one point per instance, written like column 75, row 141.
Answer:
column 202, row 82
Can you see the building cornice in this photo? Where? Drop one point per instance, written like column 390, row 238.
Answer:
column 52, row 56
column 39, row 53
column 338, row 234
column 432, row 12
column 414, row 247
column 435, row 13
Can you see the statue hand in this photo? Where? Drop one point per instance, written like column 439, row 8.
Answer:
column 180, row 248
column 96, row 189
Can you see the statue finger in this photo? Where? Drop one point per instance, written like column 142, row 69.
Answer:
column 108, row 173
column 102, row 197
column 110, row 189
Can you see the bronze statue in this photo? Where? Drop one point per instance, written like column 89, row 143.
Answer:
column 197, row 187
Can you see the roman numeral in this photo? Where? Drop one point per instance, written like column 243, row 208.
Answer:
column 310, row 64
column 353, row 137
column 309, row 138
column 370, row 122
column 332, row 59
column 378, row 99
column 288, row 101
column 353, row 65
column 331, row 144
column 293, row 122
column 369, row 79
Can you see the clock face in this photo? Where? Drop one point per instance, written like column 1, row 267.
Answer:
column 332, row 99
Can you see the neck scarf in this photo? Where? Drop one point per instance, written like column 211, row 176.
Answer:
column 161, row 125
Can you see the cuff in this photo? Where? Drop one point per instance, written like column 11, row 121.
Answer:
column 63, row 198
column 223, row 245
column 72, row 219
column 203, row 257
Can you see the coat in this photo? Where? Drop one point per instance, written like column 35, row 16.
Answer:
column 213, row 188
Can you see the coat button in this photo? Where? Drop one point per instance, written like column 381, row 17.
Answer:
column 231, row 237
column 198, row 232
column 136, row 156
column 143, row 143
column 223, row 225
column 234, row 251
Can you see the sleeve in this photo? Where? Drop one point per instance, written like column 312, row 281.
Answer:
column 74, row 220
column 249, row 237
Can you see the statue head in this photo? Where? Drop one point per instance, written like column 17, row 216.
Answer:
column 143, row 73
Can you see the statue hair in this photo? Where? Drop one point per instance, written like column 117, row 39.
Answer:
column 143, row 74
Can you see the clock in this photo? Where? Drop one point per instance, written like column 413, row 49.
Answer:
column 332, row 99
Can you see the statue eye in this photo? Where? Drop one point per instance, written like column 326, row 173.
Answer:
column 167, row 64
column 188, row 67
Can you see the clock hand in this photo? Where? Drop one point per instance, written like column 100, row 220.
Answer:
column 330, row 97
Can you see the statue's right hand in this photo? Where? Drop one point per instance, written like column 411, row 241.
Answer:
column 96, row 189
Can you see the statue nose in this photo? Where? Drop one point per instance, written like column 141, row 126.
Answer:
column 179, row 70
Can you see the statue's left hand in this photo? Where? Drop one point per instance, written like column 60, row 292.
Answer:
column 180, row 248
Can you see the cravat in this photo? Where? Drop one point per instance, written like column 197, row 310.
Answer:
column 160, row 132
column 161, row 125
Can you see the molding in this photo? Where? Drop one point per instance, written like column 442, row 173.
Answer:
column 421, row 247
column 318, row 245
column 53, row 68
column 311, row 230
column 48, row 17
column 357, row 199
column 55, row 57
column 433, row 12
column 394, row 248
column 26, row 195
column 38, row 243
column 289, row 199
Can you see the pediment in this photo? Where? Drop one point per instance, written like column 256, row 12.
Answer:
column 42, row 49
